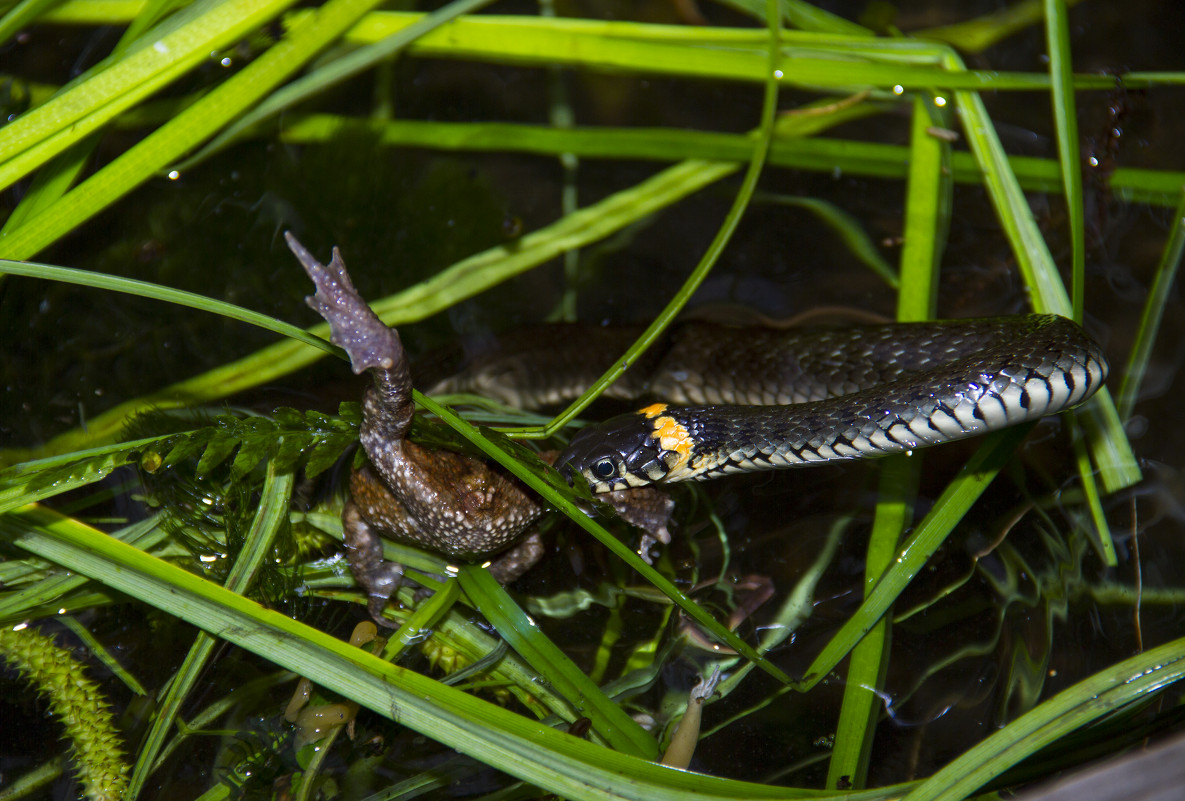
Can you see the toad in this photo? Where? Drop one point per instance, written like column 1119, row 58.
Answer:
column 447, row 502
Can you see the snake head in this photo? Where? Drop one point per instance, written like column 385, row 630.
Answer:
column 620, row 453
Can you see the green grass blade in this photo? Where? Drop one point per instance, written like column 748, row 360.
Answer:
column 85, row 106
column 457, row 631
column 1102, row 538
column 609, row 720
column 101, row 654
column 187, row 130
column 1065, row 120
column 927, row 217
column 810, row 17
column 50, row 184
column 34, row 593
column 709, row 52
column 929, row 191
column 21, row 484
column 554, row 760
column 977, row 35
column 53, row 181
column 860, row 709
column 1012, row 208
column 665, row 317
column 144, row 289
column 803, row 15
column 332, row 74
column 737, row 54
column 22, row 15
column 151, row 12
column 1110, row 449
column 849, row 229
column 270, row 517
column 1153, row 313
column 816, row 154
column 96, row 12
column 1110, row 689
column 948, row 510
column 17, row 474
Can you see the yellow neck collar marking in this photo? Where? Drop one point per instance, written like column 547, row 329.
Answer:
column 653, row 410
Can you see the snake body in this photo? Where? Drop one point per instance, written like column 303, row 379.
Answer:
column 800, row 398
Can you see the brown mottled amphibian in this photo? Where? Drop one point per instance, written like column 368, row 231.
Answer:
column 447, row 502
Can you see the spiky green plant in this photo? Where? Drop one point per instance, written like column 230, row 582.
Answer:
column 77, row 702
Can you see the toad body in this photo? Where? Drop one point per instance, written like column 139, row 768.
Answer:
column 444, row 501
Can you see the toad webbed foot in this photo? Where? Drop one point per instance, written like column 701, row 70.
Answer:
column 369, row 342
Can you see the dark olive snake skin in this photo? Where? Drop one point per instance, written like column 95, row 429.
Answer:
column 799, row 398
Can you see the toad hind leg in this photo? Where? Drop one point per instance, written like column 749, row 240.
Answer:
column 509, row 565
column 364, row 551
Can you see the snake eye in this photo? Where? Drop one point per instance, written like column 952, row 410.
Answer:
column 604, row 469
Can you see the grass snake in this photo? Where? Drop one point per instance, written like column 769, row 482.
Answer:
column 744, row 399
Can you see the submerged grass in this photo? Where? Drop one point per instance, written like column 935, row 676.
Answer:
column 827, row 56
